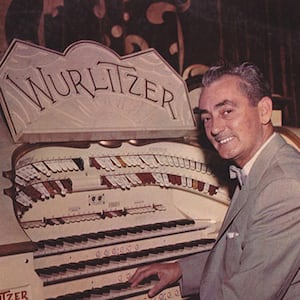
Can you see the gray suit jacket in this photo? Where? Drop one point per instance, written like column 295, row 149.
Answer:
column 257, row 252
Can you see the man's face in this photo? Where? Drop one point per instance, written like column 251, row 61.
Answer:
column 231, row 123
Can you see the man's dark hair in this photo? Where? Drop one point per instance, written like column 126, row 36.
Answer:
column 252, row 82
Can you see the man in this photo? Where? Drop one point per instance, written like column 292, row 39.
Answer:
column 257, row 252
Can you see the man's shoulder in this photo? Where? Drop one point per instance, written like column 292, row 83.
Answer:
column 284, row 168
column 288, row 159
column 279, row 162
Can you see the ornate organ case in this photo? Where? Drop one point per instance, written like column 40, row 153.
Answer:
column 103, row 174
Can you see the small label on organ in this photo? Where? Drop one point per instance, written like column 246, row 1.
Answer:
column 17, row 293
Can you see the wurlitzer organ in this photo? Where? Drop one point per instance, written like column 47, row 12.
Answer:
column 101, row 173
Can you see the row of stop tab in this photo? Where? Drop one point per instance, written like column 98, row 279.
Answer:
column 126, row 181
column 110, row 163
column 27, row 195
column 35, row 170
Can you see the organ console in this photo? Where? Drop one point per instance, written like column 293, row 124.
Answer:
column 104, row 175
column 96, row 213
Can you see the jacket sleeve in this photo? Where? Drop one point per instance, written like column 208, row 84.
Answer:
column 192, row 268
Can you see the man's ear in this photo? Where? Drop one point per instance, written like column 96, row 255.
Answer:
column 265, row 109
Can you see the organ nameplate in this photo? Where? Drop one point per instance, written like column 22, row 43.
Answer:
column 22, row 293
column 90, row 93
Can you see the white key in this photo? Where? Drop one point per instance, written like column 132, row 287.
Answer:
column 161, row 160
column 138, row 162
column 20, row 181
column 198, row 166
column 158, row 178
column 41, row 188
column 51, row 165
column 166, row 179
column 72, row 165
column 170, row 160
column 57, row 163
column 23, row 199
column 42, row 168
column 22, row 174
column 120, row 182
column 32, row 172
column 125, row 181
column 102, row 162
column 176, row 161
column 192, row 164
column 127, row 160
column 189, row 182
column 116, row 161
column 181, row 162
column 112, row 180
column 134, row 178
column 186, row 163
column 62, row 188
column 109, row 163
column 203, row 168
column 206, row 187
column 64, row 165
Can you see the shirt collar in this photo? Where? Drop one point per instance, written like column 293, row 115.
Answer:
column 246, row 169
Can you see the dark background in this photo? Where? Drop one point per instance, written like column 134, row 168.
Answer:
column 190, row 35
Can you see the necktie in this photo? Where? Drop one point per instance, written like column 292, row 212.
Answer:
column 236, row 172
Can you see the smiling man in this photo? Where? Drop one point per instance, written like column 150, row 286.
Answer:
column 257, row 252
column 236, row 127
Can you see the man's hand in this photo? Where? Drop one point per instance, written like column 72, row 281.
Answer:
column 167, row 273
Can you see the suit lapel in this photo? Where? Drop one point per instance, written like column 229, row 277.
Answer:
column 239, row 199
column 241, row 196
